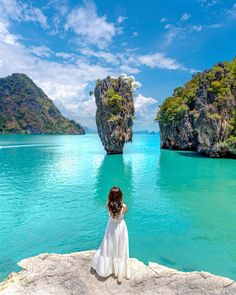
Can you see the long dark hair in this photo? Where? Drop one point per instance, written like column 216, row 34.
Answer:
column 114, row 202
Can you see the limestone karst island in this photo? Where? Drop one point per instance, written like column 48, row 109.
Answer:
column 115, row 112
column 117, row 147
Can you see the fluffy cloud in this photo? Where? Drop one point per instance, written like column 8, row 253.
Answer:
column 102, row 55
column 67, row 77
column 42, row 50
column 181, row 32
column 65, row 83
column 5, row 36
column 159, row 60
column 68, row 83
column 89, row 27
column 19, row 11
column 163, row 20
column 185, row 16
column 145, row 111
column 120, row 19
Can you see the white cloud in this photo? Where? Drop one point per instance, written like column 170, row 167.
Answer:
column 232, row 11
column 145, row 111
column 68, row 79
column 129, row 69
column 163, row 20
column 65, row 83
column 5, row 36
column 182, row 32
column 185, row 17
column 35, row 15
column 104, row 55
column 66, row 55
column 159, row 60
column 89, row 27
column 19, row 11
column 135, row 34
column 41, row 50
column 172, row 33
column 141, row 102
column 120, row 19
column 135, row 84
column 208, row 3
column 68, row 84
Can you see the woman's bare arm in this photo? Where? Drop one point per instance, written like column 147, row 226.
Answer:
column 125, row 209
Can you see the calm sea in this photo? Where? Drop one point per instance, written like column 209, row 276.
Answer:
column 182, row 207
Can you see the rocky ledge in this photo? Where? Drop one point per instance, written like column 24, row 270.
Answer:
column 62, row 274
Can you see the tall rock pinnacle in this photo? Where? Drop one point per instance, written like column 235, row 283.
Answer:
column 115, row 112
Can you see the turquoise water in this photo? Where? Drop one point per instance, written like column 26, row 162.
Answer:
column 182, row 207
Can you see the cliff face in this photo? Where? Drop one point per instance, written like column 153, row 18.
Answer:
column 115, row 111
column 201, row 115
column 25, row 108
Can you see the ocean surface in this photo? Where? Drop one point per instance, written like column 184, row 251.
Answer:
column 53, row 189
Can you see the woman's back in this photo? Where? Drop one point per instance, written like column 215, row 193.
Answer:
column 112, row 255
column 120, row 216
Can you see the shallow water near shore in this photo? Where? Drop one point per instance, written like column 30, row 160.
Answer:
column 53, row 191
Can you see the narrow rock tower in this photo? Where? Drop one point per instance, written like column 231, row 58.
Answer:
column 115, row 112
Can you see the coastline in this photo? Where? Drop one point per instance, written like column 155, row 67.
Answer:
column 72, row 274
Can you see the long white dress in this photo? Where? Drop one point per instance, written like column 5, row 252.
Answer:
column 112, row 256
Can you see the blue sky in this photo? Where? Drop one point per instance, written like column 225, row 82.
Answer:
column 64, row 46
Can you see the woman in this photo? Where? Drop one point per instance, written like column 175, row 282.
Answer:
column 112, row 256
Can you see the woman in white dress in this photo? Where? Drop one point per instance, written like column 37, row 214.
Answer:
column 112, row 256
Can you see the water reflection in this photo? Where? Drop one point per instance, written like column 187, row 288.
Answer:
column 114, row 171
column 200, row 195
column 19, row 168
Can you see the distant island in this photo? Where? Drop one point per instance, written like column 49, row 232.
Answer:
column 201, row 115
column 145, row 132
column 26, row 109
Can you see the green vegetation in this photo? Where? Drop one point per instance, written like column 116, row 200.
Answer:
column 114, row 118
column 220, row 83
column 181, row 101
column 230, row 144
column 113, row 100
column 213, row 116
column 98, row 82
column 26, row 109
column 232, row 123
column 172, row 109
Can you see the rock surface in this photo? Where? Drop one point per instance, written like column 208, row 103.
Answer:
column 115, row 111
column 201, row 115
column 25, row 108
column 71, row 274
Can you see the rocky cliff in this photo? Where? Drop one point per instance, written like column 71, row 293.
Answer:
column 115, row 112
column 58, row 274
column 25, row 108
column 201, row 115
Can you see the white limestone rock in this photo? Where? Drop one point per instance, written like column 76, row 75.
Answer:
column 64, row 274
